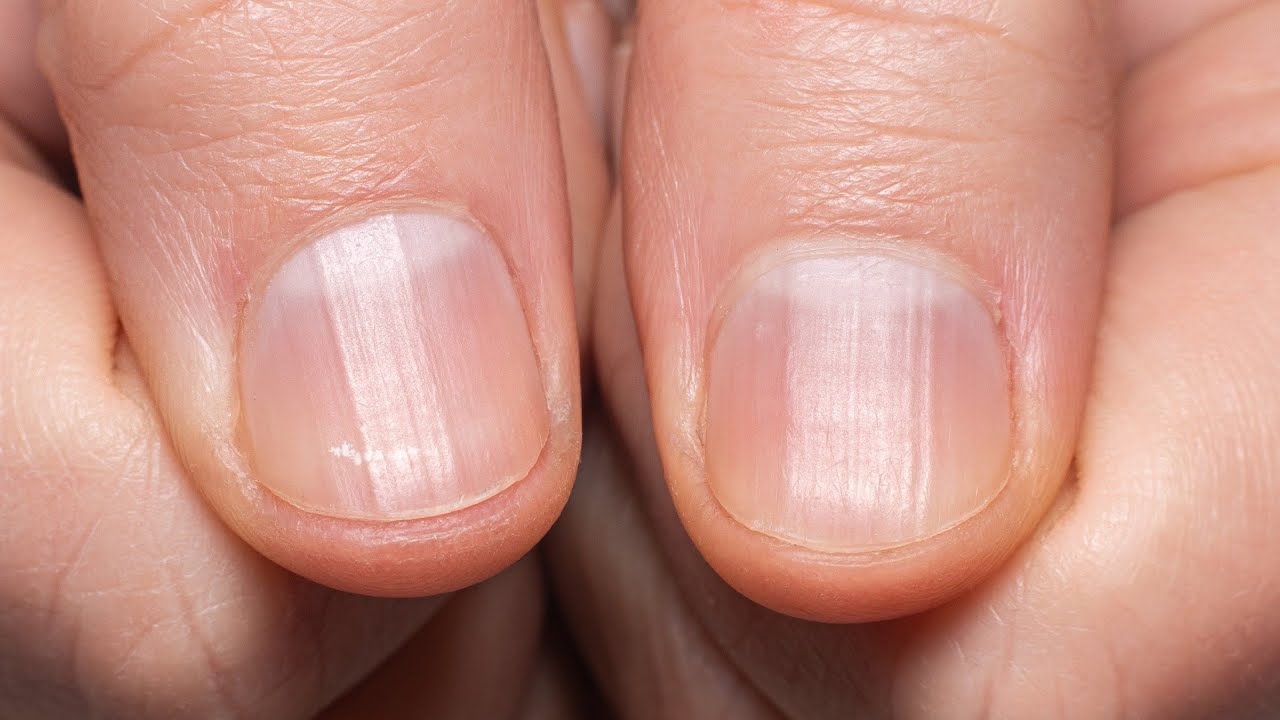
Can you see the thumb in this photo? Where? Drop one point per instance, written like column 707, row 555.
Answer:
column 864, row 249
column 339, row 245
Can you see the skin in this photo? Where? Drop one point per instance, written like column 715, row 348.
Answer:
column 1119, row 197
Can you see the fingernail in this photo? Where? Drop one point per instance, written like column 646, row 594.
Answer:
column 856, row 402
column 618, row 100
column 387, row 372
column 588, row 33
column 621, row 10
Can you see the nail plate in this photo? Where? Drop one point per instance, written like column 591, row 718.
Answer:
column 387, row 372
column 856, row 401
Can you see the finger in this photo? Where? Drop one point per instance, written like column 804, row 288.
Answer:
column 865, row 245
column 340, row 249
column 579, row 39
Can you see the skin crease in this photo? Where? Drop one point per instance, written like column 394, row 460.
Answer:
column 1166, row 524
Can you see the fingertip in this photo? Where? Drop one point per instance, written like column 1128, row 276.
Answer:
column 412, row 557
column 835, row 586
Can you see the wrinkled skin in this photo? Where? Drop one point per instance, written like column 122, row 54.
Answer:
column 1109, row 169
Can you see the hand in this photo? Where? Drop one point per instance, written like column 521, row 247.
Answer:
column 869, row 251
column 850, row 228
column 276, row 420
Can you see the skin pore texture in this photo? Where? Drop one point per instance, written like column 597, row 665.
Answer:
column 904, row 359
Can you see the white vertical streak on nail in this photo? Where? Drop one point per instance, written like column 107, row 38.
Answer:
column 366, row 277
